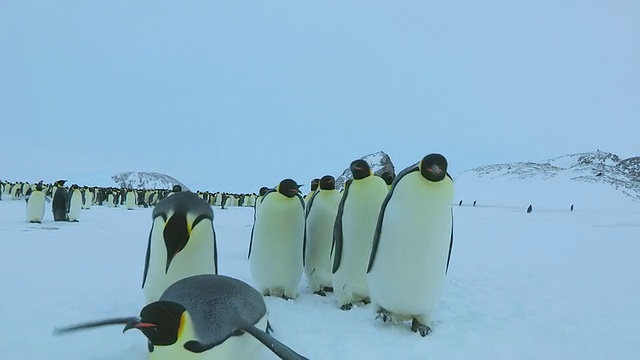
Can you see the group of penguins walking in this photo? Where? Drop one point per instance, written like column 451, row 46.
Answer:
column 389, row 245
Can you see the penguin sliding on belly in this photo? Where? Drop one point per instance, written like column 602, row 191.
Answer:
column 412, row 244
column 276, row 249
column 203, row 317
column 182, row 243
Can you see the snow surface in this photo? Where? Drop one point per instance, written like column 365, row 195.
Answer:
column 552, row 284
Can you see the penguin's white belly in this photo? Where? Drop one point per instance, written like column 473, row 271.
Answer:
column 359, row 218
column 196, row 258
column 130, row 201
column 35, row 206
column 75, row 205
column 319, row 233
column 235, row 347
column 88, row 200
column 111, row 200
column 276, row 254
column 409, row 269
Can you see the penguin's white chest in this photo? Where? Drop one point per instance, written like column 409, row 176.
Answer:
column 410, row 263
column 75, row 205
column 276, row 250
column 35, row 206
column 319, row 232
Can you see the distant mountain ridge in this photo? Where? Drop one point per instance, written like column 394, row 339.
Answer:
column 379, row 163
column 146, row 180
column 593, row 167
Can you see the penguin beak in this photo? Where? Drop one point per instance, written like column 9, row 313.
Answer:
column 434, row 169
column 138, row 324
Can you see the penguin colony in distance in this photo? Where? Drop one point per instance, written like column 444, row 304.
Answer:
column 276, row 248
column 412, row 244
column 207, row 317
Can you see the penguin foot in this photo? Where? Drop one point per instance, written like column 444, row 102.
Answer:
column 327, row 289
column 384, row 315
column 285, row 297
column 424, row 330
column 346, row 307
column 320, row 292
column 366, row 301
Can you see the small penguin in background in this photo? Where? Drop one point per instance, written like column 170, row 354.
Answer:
column 261, row 193
column 130, row 199
column 474, row 202
column 276, row 249
column 314, row 187
column 87, row 199
column 35, row 204
column 529, row 209
column 388, row 178
column 175, row 189
column 182, row 243
column 322, row 210
column 60, row 201
column 571, row 207
column 460, row 203
column 203, row 317
column 353, row 233
column 75, row 203
column 412, row 244
column 111, row 199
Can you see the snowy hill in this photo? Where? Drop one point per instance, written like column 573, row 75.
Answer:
column 587, row 179
column 379, row 162
column 146, row 180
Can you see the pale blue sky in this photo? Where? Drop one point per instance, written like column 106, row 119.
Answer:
column 230, row 95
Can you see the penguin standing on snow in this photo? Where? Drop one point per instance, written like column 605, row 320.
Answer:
column 130, row 199
column 314, row 187
column 182, row 243
column 59, row 202
column 276, row 249
column 353, row 233
column 207, row 317
column 412, row 244
column 322, row 209
column 75, row 203
column 35, row 204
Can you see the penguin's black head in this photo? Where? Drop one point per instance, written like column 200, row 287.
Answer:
column 263, row 190
column 433, row 167
column 160, row 322
column 327, row 182
column 388, row 177
column 288, row 188
column 360, row 169
column 314, row 184
column 74, row 186
column 177, row 188
column 39, row 186
column 60, row 182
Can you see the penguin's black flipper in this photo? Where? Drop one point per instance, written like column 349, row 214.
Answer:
column 337, row 230
column 146, row 259
column 278, row 348
column 93, row 324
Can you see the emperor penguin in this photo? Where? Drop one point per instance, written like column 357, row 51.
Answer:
column 353, row 233
column 261, row 193
column 182, row 243
column 88, row 198
column 35, row 204
column 314, row 187
column 203, row 317
column 412, row 244
column 75, row 203
column 276, row 249
column 130, row 199
column 111, row 199
column 59, row 202
column 388, row 178
column 322, row 210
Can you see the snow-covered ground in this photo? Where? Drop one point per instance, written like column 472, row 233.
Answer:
column 552, row 284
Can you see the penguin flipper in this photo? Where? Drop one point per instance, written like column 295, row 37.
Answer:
column 450, row 244
column 304, row 237
column 47, row 199
column 336, row 246
column 376, row 234
column 147, row 258
column 278, row 348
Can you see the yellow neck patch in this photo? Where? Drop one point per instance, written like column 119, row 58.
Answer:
column 181, row 326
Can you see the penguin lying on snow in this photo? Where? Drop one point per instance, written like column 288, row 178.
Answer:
column 203, row 317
